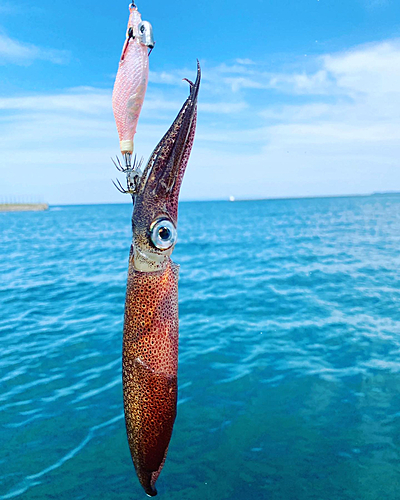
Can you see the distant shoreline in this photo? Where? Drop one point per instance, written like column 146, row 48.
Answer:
column 23, row 207
column 317, row 197
column 36, row 207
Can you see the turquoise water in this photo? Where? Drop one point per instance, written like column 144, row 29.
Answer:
column 289, row 369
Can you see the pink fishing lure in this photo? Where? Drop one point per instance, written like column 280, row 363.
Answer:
column 132, row 77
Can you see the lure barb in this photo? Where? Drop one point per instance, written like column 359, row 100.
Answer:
column 132, row 171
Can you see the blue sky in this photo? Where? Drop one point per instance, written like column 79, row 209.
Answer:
column 299, row 98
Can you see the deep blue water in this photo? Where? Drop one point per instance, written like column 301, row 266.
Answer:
column 289, row 374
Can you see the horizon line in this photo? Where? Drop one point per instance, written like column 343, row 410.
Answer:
column 236, row 200
column 231, row 199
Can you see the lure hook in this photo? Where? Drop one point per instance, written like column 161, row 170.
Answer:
column 133, row 173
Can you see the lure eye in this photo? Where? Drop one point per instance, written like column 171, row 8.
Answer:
column 163, row 234
column 146, row 34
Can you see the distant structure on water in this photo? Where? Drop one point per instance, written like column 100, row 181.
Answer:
column 12, row 203
column 231, row 198
column 21, row 204
column 23, row 207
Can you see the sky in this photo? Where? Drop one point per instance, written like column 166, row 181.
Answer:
column 298, row 97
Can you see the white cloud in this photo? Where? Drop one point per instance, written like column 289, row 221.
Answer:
column 238, row 83
column 333, row 130
column 223, row 108
column 59, row 146
column 342, row 135
column 168, row 78
column 373, row 68
column 87, row 100
column 245, row 61
column 92, row 101
column 15, row 52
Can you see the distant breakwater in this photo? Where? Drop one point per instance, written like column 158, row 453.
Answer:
column 23, row 207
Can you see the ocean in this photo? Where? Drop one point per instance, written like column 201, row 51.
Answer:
column 289, row 371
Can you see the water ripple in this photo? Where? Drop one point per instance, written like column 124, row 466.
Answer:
column 289, row 346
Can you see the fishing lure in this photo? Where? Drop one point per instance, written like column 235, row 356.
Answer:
column 150, row 338
column 131, row 82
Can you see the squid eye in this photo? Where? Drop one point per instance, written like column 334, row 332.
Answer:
column 163, row 234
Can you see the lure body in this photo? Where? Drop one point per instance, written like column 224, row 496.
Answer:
column 150, row 343
column 132, row 77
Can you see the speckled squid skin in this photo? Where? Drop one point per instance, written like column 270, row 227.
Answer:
column 150, row 363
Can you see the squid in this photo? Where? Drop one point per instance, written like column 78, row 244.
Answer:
column 150, row 334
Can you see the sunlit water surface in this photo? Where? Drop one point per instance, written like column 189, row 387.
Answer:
column 289, row 373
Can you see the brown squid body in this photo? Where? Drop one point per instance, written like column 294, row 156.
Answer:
column 150, row 343
column 150, row 362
